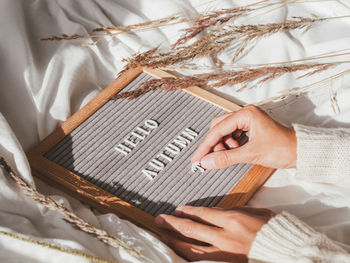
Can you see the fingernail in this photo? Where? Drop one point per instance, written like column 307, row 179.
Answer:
column 159, row 220
column 178, row 211
column 232, row 144
column 237, row 133
column 243, row 140
column 192, row 160
column 164, row 239
column 208, row 162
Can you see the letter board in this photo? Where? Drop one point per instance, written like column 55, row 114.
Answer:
column 131, row 157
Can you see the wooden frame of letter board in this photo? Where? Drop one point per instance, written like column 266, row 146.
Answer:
column 100, row 199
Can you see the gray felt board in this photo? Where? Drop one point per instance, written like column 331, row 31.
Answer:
column 90, row 151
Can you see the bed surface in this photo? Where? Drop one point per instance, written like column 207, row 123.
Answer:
column 43, row 83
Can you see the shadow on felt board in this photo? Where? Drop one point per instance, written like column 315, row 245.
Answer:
column 67, row 156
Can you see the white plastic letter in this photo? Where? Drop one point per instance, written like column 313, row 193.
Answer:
column 152, row 124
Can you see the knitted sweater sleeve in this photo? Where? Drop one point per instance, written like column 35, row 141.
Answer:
column 285, row 238
column 323, row 156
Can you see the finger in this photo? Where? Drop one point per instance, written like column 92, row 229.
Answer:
column 254, row 210
column 230, row 142
column 219, row 147
column 236, row 134
column 223, row 159
column 212, row 216
column 196, row 253
column 238, row 210
column 243, row 139
column 225, row 127
column 190, row 228
column 187, row 250
column 218, row 119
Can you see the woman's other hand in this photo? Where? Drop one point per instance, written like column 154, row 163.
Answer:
column 228, row 233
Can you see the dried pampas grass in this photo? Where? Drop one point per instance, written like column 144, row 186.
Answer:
column 69, row 216
column 218, row 34
column 168, row 84
column 234, row 37
column 103, row 31
column 241, row 77
column 208, row 20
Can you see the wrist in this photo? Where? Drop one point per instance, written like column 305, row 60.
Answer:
column 286, row 146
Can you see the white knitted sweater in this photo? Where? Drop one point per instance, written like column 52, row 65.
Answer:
column 323, row 156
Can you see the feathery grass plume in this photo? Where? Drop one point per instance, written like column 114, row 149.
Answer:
column 167, row 84
column 307, row 89
column 62, row 37
column 138, row 59
column 247, row 33
column 334, row 102
column 260, row 75
column 139, row 25
column 210, row 80
column 69, row 216
column 201, row 22
column 219, row 17
column 103, row 31
column 226, row 66
column 219, row 40
column 210, row 19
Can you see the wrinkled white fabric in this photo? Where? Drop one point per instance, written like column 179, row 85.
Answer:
column 21, row 215
column 43, row 83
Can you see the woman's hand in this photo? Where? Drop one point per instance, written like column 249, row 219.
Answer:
column 229, row 233
column 270, row 144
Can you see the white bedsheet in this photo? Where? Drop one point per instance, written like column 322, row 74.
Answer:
column 42, row 83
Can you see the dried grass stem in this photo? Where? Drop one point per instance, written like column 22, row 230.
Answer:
column 244, row 77
column 69, row 216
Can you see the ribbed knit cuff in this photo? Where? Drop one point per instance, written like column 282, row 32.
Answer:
column 322, row 154
column 287, row 239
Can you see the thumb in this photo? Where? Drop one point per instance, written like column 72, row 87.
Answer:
column 226, row 158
